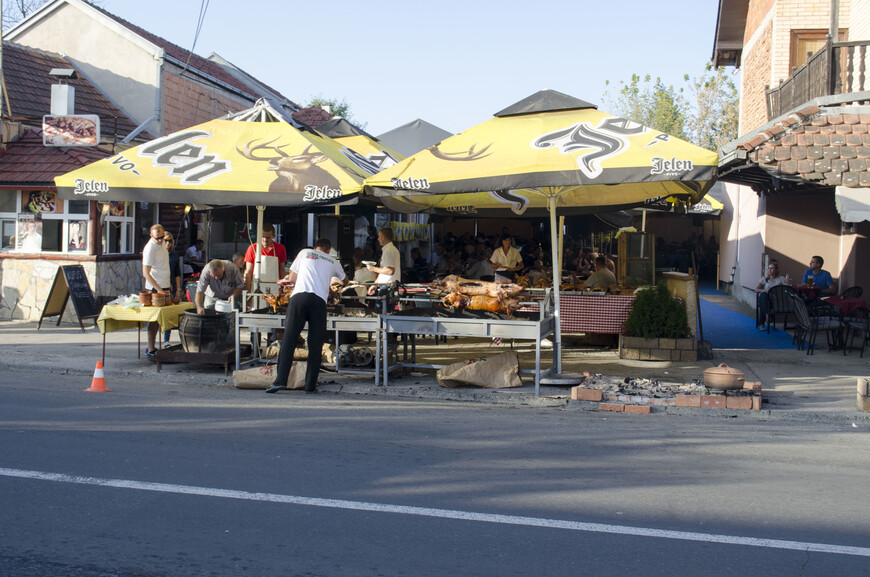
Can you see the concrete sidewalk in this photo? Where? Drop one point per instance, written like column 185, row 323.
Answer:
column 796, row 386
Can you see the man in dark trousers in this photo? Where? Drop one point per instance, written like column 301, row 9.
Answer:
column 309, row 276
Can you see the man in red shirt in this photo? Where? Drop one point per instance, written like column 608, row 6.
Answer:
column 270, row 248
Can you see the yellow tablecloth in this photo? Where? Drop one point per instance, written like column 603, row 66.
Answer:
column 117, row 318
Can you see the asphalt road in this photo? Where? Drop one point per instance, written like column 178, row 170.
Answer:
column 165, row 480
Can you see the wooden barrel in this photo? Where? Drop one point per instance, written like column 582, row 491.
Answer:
column 207, row 333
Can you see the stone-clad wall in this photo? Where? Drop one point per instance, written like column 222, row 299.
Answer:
column 25, row 283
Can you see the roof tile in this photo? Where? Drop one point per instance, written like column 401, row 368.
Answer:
column 29, row 88
column 26, row 162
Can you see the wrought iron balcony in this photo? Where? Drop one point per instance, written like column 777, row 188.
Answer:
column 836, row 68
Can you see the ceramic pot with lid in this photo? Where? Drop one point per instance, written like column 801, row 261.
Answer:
column 724, row 377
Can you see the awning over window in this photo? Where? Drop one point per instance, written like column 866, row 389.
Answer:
column 853, row 204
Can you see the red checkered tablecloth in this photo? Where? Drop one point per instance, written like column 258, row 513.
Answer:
column 594, row 314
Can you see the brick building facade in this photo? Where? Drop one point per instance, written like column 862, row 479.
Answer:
column 782, row 173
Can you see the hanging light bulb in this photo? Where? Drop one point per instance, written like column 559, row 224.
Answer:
column 187, row 208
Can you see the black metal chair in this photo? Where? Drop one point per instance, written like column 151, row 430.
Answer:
column 780, row 303
column 853, row 292
column 809, row 325
column 857, row 322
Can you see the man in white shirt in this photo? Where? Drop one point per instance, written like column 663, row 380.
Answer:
column 390, row 268
column 309, row 276
column 155, row 269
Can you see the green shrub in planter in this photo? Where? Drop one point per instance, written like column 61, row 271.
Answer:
column 655, row 314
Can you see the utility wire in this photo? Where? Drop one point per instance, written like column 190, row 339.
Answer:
column 203, row 7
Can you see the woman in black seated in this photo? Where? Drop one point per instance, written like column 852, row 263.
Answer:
column 772, row 279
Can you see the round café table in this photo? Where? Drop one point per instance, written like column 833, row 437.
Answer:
column 809, row 293
column 847, row 305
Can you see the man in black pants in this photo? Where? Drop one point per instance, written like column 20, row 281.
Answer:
column 309, row 276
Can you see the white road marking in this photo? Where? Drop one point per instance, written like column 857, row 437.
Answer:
column 442, row 513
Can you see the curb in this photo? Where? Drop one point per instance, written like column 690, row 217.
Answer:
column 476, row 396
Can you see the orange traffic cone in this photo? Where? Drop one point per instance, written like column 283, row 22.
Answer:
column 98, row 384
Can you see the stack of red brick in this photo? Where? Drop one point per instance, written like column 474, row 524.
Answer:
column 747, row 399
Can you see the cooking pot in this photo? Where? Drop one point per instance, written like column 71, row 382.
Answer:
column 723, row 377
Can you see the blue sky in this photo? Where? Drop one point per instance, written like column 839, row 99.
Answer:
column 451, row 63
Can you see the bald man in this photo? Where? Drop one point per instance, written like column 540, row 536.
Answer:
column 155, row 269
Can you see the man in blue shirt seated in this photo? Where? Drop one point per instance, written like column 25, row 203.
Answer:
column 821, row 278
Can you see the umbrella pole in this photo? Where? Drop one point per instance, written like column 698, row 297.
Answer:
column 258, row 251
column 557, row 279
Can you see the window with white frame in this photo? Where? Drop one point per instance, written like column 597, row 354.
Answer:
column 118, row 227
column 8, row 218
column 38, row 221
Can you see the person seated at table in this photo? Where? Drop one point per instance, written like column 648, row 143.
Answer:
column 768, row 281
column 361, row 274
column 537, row 272
column 585, row 264
column 220, row 279
column 822, row 279
column 601, row 278
column 193, row 258
column 439, row 261
column 419, row 272
column 480, row 267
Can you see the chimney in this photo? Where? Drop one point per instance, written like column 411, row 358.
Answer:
column 63, row 99
column 63, row 95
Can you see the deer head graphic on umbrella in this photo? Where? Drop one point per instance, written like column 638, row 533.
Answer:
column 295, row 174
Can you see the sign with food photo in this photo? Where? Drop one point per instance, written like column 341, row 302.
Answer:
column 71, row 130
column 41, row 202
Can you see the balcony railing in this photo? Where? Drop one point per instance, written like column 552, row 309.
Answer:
column 837, row 68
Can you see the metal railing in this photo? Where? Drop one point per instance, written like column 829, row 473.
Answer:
column 836, row 68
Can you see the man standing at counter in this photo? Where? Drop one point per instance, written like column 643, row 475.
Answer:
column 270, row 248
column 309, row 276
column 506, row 261
column 220, row 279
column 155, row 269
column 391, row 265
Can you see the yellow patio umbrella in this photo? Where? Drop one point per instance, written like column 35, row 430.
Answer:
column 257, row 156
column 372, row 149
column 224, row 162
column 551, row 151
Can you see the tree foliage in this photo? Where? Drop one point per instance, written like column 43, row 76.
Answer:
column 703, row 112
column 336, row 107
column 16, row 10
column 650, row 103
column 715, row 120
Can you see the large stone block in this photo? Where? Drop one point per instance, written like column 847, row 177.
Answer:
column 690, row 356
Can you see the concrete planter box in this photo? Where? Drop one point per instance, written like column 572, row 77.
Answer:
column 641, row 349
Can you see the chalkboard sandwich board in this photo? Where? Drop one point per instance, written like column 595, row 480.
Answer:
column 70, row 282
